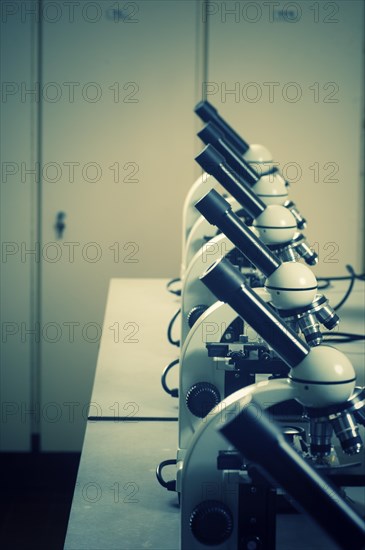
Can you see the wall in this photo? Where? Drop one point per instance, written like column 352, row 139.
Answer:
column 290, row 75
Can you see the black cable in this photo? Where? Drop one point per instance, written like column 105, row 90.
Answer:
column 349, row 290
column 171, row 282
column 352, row 278
column 173, row 392
column 169, row 485
column 342, row 337
column 360, row 277
column 169, row 330
column 325, row 285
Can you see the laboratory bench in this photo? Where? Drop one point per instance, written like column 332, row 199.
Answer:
column 118, row 503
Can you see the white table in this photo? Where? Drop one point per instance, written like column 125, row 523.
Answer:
column 118, row 503
column 134, row 351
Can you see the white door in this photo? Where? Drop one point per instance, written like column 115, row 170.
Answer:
column 118, row 93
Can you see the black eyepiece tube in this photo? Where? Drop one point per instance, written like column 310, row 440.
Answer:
column 261, row 442
column 206, row 112
column 215, row 164
column 229, row 285
column 218, row 212
column 210, row 134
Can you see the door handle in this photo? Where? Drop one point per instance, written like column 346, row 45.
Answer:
column 60, row 225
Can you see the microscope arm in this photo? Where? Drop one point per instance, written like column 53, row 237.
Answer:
column 196, row 365
column 198, row 233
column 194, row 294
column 264, row 445
column 201, row 186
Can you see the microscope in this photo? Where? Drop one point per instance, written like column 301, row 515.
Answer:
column 272, row 188
column 234, row 356
column 241, row 202
column 237, row 152
column 292, row 285
column 243, row 157
column 272, row 212
column 226, row 501
column 275, row 225
column 254, row 153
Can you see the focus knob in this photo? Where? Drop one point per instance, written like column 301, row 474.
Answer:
column 202, row 398
column 211, row 522
column 195, row 313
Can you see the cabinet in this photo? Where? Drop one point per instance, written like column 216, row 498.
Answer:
column 116, row 90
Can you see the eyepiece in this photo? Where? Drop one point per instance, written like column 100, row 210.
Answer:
column 207, row 113
column 328, row 317
column 209, row 159
column 219, row 213
column 215, row 164
column 211, row 134
column 229, row 285
column 305, row 252
column 213, row 206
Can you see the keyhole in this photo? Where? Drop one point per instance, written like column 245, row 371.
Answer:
column 60, row 224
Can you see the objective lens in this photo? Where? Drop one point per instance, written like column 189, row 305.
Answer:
column 347, row 431
column 286, row 254
column 310, row 328
column 327, row 316
column 320, row 436
column 358, row 405
column 307, row 253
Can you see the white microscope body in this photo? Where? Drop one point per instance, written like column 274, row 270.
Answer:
column 201, row 232
column 202, row 378
column 271, row 189
column 275, row 225
column 268, row 183
column 321, row 379
column 289, row 287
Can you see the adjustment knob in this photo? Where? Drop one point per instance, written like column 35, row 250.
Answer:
column 195, row 313
column 202, row 398
column 211, row 522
